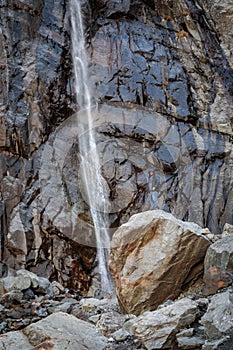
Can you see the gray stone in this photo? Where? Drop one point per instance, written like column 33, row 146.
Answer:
column 227, row 230
column 218, row 320
column 14, row 340
column 93, row 304
column 218, row 271
column 56, row 331
column 44, row 286
column 94, row 319
column 110, row 322
column 193, row 342
column 152, row 257
column 16, row 283
column 62, row 307
column 128, row 326
column 33, row 277
column 185, row 333
column 220, row 344
column 157, row 329
column 120, row 335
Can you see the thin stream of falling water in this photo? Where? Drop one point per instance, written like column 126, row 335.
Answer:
column 93, row 181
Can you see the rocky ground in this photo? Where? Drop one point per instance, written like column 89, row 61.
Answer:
column 39, row 314
column 47, row 316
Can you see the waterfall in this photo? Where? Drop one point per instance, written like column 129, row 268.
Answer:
column 95, row 189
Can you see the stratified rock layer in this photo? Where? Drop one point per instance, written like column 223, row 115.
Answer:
column 153, row 257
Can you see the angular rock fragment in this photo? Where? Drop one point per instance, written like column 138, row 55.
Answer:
column 157, row 329
column 153, row 257
column 227, row 230
column 110, row 322
column 218, row 265
column 218, row 320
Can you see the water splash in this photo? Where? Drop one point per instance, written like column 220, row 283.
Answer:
column 95, row 187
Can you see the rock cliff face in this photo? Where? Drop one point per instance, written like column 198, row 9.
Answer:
column 162, row 74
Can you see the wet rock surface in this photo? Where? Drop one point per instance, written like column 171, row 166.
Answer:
column 162, row 73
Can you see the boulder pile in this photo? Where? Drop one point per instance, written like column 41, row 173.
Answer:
column 37, row 314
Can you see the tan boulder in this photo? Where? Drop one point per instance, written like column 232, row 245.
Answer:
column 153, row 258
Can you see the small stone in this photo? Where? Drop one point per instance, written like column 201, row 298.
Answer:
column 103, row 305
column 190, row 342
column 61, row 307
column 185, row 333
column 3, row 326
column 213, row 345
column 44, row 286
column 168, row 302
column 128, row 325
column 211, row 236
column 16, row 283
column 120, row 335
column 42, row 312
column 205, row 231
column 227, row 230
column 94, row 318
column 57, row 288
column 28, row 294
column 12, row 297
column 33, row 277
column 110, row 322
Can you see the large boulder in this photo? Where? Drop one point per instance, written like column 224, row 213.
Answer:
column 153, row 257
column 57, row 331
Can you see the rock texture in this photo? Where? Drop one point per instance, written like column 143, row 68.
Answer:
column 219, row 265
column 218, row 322
column 157, row 329
column 162, row 75
column 57, row 331
column 153, row 257
column 30, row 319
column 25, row 280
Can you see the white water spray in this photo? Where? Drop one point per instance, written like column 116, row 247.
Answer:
column 93, row 182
